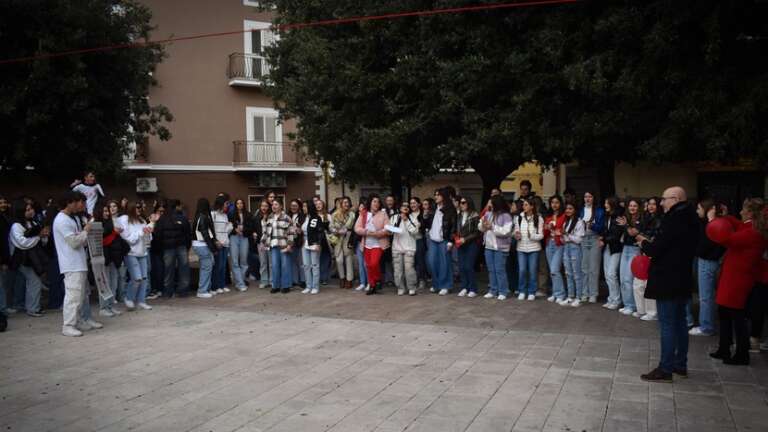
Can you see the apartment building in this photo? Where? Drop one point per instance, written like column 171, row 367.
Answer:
column 226, row 136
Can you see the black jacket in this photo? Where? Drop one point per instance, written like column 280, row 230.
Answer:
column 171, row 231
column 650, row 225
column 449, row 224
column 707, row 249
column 613, row 233
column 117, row 250
column 628, row 240
column 672, row 252
column 315, row 230
column 236, row 222
column 5, row 230
column 469, row 231
column 204, row 225
column 253, row 226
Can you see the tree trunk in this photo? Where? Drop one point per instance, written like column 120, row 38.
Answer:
column 492, row 174
column 606, row 178
column 396, row 183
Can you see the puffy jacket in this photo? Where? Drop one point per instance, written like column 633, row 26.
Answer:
column 531, row 233
column 172, row 230
column 406, row 240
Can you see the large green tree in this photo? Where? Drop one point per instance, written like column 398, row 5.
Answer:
column 65, row 114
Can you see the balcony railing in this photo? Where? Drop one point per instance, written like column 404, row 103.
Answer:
column 261, row 153
column 138, row 153
column 247, row 69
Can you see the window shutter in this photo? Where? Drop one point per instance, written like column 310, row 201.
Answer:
column 258, row 128
column 270, row 124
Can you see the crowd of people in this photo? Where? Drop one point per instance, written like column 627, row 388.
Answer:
column 436, row 244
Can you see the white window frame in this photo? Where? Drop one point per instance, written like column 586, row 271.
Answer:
column 250, row 3
column 250, row 132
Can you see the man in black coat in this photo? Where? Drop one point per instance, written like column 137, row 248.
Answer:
column 174, row 235
column 670, row 280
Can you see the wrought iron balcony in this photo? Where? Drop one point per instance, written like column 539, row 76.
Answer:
column 263, row 154
column 249, row 70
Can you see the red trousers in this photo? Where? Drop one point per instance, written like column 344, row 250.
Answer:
column 372, row 258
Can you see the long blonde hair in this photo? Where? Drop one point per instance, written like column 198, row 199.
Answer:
column 759, row 211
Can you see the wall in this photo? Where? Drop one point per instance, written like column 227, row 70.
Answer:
column 645, row 179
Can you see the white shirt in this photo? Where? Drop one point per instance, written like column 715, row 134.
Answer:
column 16, row 238
column 304, row 228
column 70, row 244
column 92, row 194
column 587, row 214
column 436, row 230
column 133, row 234
column 371, row 242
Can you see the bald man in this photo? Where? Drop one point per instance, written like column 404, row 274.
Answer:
column 670, row 280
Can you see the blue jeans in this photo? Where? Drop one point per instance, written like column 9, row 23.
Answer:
column 438, row 255
column 590, row 264
column 707, row 272
column 529, row 267
column 18, row 285
column 325, row 265
column 573, row 273
column 33, row 288
column 673, row 329
column 311, row 260
column 361, row 266
column 238, row 248
column 421, row 259
column 298, row 265
column 113, row 279
column 220, row 268
column 137, row 268
column 627, row 278
column 206, row 268
column 496, row 261
column 176, row 261
column 282, row 274
column 467, row 256
column 611, row 269
column 555, row 262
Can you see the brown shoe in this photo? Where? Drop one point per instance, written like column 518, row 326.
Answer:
column 657, row 375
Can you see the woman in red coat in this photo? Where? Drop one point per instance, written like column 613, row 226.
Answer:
column 742, row 266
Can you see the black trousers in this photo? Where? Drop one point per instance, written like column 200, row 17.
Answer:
column 758, row 308
column 734, row 321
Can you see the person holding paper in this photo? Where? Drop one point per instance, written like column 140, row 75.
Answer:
column 405, row 230
column 375, row 240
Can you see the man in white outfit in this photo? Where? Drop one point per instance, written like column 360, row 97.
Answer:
column 70, row 239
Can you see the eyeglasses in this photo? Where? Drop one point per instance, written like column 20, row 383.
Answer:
column 666, row 198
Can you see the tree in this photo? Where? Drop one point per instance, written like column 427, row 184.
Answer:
column 66, row 114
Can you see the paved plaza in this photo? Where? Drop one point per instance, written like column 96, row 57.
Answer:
column 342, row 361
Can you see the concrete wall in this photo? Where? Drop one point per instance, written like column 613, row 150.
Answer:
column 645, row 179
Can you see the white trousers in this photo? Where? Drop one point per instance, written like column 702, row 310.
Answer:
column 74, row 296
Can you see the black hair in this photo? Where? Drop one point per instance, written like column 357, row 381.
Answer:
column 451, row 191
column 562, row 204
column 70, row 197
column 499, row 204
column 312, row 210
column 417, row 199
column 218, row 203
column 447, row 198
column 18, row 209
column 470, row 203
column 526, row 183
column 173, row 203
column 203, row 207
column 570, row 222
column 371, row 197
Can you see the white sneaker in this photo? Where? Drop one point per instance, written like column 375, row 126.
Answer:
column 472, row 294
column 611, row 306
column 130, row 305
column 576, row 303
column 360, row 287
column 95, row 324
column 443, row 292
column 314, row 291
column 204, row 295
column 225, row 289
column 433, row 290
column 463, row 293
column 521, row 297
column 637, row 314
column 70, row 331
column 243, row 289
column 626, row 311
column 401, row 291
column 564, row 302
column 501, row 297
column 306, row 290
column 551, row 299
column 220, row 291
column 696, row 331
column 83, row 326
column 593, row 299
column 144, row 306
column 106, row 313
column 489, row 296
column 531, row 297
column 649, row 317
column 412, row 292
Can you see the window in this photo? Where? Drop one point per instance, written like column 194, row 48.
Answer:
column 250, row 3
column 264, row 134
column 257, row 36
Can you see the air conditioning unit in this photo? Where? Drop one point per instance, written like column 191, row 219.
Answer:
column 271, row 180
column 146, row 184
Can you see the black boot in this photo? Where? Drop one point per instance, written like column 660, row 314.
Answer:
column 374, row 289
column 274, row 290
column 720, row 354
column 285, row 290
column 739, row 359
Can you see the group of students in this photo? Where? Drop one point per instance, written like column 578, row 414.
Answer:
column 435, row 243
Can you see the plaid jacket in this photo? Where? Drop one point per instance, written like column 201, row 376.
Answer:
column 282, row 236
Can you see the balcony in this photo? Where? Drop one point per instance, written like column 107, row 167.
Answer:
column 247, row 70
column 259, row 154
column 137, row 153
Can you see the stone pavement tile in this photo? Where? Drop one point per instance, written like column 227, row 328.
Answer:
column 489, row 365
column 554, row 340
column 751, row 420
column 370, row 415
column 477, row 385
column 459, row 407
column 538, row 408
column 661, row 402
column 601, row 349
column 630, row 374
column 702, row 410
column 662, row 420
column 735, row 374
column 628, row 411
column 745, row 397
column 572, row 414
column 433, row 424
column 617, row 425
column 629, row 392
column 594, row 367
column 546, row 353
column 639, row 358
